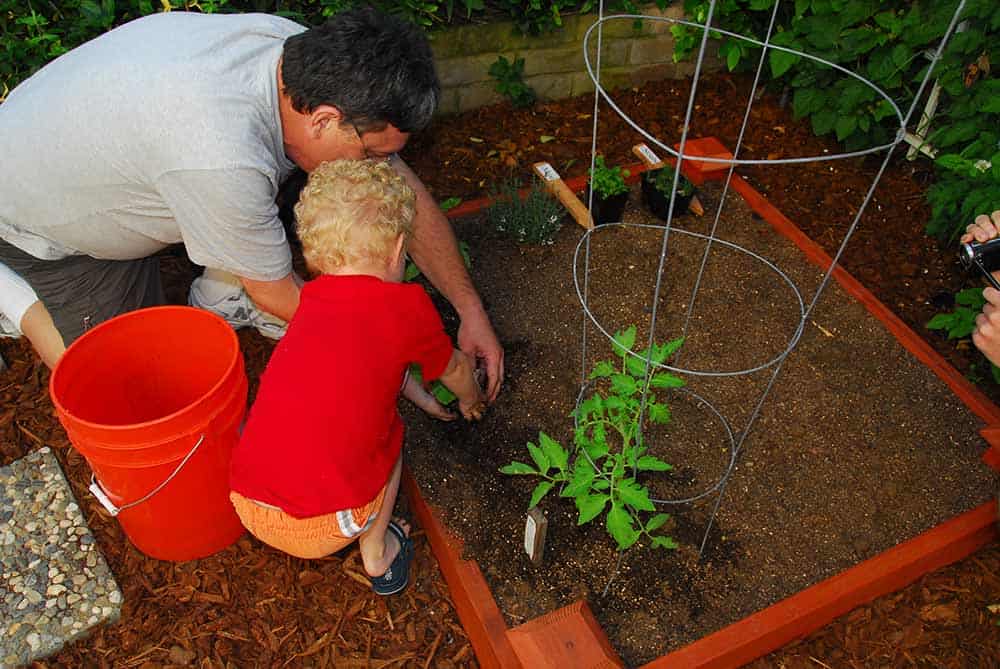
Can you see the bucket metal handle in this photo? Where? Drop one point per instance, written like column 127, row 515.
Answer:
column 98, row 491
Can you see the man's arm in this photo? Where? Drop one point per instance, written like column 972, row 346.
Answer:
column 435, row 251
column 280, row 298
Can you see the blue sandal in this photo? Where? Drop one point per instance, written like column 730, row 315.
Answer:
column 397, row 576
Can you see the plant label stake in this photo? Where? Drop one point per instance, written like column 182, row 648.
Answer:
column 534, row 534
column 558, row 187
column 653, row 162
column 646, row 155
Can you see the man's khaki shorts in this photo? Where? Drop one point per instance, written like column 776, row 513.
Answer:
column 308, row 538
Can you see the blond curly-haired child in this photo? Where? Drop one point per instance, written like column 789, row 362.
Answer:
column 318, row 464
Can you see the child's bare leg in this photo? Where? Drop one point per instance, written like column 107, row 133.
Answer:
column 379, row 547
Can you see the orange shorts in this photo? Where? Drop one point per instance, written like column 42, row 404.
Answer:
column 309, row 538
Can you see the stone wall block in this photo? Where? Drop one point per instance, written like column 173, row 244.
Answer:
column 611, row 78
column 652, row 50
column 477, row 95
column 462, row 71
column 551, row 86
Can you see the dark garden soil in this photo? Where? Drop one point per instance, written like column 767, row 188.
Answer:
column 834, row 441
column 251, row 606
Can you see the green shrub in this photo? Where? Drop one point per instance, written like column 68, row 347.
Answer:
column 885, row 42
column 510, row 81
column 533, row 220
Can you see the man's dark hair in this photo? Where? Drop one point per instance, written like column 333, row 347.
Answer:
column 375, row 68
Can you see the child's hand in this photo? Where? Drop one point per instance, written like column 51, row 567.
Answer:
column 417, row 394
column 473, row 410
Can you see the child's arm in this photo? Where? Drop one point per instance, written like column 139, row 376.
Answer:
column 459, row 377
column 413, row 391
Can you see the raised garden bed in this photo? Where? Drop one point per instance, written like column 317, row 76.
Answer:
column 831, row 479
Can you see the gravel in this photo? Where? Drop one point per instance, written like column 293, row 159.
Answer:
column 54, row 585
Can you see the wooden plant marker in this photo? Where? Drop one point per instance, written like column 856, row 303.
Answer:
column 535, row 528
column 558, row 187
column 653, row 162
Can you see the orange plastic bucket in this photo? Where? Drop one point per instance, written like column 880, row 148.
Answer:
column 154, row 399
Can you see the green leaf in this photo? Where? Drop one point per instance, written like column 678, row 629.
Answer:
column 651, row 463
column 623, row 384
column 733, row 56
column 556, row 454
column 545, row 139
column 666, row 380
column 538, row 455
column 625, row 339
column 541, row 490
column 583, row 477
column 450, row 203
column 824, row 120
column 620, row 527
column 635, row 495
column 782, row 61
column 518, row 468
column 807, row 100
column 659, row 413
column 602, row 484
column 664, row 542
column 657, row 521
column 635, row 366
column 845, row 126
column 602, row 369
column 590, row 506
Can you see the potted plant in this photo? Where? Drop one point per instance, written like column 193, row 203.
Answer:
column 610, row 192
column 656, row 186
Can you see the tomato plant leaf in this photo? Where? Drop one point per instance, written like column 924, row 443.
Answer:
column 539, row 457
column 541, row 490
column 664, row 542
column 635, row 495
column 625, row 340
column 590, row 506
column 651, row 463
column 518, row 468
column 620, row 527
column 554, row 452
column 657, row 521
column 602, row 369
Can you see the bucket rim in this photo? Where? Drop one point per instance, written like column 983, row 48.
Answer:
column 89, row 334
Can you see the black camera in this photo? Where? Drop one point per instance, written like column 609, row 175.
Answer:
column 984, row 256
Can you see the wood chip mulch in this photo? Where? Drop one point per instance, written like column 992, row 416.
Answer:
column 253, row 606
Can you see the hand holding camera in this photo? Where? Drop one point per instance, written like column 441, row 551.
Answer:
column 981, row 249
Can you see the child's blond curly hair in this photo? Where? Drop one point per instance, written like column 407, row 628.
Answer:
column 351, row 211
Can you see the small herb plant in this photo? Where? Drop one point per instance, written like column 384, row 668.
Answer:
column 600, row 473
column 608, row 181
column 961, row 322
column 533, row 220
column 663, row 181
column 510, row 81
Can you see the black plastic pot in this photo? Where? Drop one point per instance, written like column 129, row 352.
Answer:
column 658, row 202
column 607, row 210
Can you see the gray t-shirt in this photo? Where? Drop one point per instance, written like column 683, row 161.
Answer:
column 163, row 130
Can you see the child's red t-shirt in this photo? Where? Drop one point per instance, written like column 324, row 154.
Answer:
column 324, row 431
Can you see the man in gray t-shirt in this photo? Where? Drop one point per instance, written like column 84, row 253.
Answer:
column 180, row 127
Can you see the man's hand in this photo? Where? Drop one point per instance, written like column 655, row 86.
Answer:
column 986, row 336
column 983, row 229
column 478, row 341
